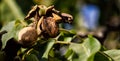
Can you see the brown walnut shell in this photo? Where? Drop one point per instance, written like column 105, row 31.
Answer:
column 27, row 36
column 49, row 27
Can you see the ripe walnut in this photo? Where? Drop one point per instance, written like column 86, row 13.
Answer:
column 49, row 27
column 27, row 36
column 47, row 19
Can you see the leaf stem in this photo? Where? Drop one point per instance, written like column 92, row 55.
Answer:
column 62, row 42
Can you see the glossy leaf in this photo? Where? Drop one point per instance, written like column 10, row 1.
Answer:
column 86, row 50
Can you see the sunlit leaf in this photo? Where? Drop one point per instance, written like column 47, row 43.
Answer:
column 8, row 27
column 12, row 29
column 115, row 54
column 86, row 50
column 6, row 37
column 67, row 39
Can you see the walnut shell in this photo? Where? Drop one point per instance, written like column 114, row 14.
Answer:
column 27, row 36
column 49, row 27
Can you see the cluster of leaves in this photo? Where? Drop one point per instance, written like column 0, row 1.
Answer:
column 67, row 46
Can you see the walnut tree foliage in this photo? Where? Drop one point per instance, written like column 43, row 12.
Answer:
column 53, row 43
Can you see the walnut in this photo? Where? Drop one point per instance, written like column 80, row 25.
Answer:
column 47, row 19
column 49, row 27
column 27, row 36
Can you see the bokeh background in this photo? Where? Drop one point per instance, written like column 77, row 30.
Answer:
column 98, row 17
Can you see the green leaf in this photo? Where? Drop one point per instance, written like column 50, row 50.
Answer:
column 67, row 39
column 12, row 29
column 52, row 56
column 8, row 27
column 72, row 31
column 101, row 56
column 114, row 54
column 67, row 32
column 68, row 55
column 103, row 48
column 48, row 48
column 52, row 53
column 6, row 37
column 30, row 57
column 86, row 50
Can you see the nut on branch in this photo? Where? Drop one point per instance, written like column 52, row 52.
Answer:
column 27, row 36
column 47, row 19
column 49, row 27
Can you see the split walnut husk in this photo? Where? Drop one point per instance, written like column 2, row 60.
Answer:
column 45, row 23
column 49, row 27
column 47, row 19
